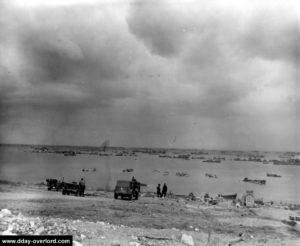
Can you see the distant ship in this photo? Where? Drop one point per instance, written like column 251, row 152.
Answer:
column 229, row 197
column 273, row 175
column 255, row 181
column 69, row 153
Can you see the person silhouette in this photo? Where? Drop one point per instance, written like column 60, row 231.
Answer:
column 164, row 190
column 81, row 187
column 158, row 191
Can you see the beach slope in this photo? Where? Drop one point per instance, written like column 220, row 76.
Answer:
column 102, row 220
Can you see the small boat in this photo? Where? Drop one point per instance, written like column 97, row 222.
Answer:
column 255, row 181
column 273, row 175
column 129, row 170
column 165, row 156
column 182, row 174
column 277, row 162
column 213, row 160
column 198, row 157
column 166, row 173
column 69, row 153
column 209, row 175
column 183, row 156
column 229, row 197
column 89, row 169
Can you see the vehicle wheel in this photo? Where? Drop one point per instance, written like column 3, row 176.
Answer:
column 136, row 196
column 49, row 188
column 116, row 196
column 130, row 197
column 122, row 197
column 63, row 192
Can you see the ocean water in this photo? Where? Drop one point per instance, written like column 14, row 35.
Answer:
column 19, row 163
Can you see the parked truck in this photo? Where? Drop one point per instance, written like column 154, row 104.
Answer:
column 54, row 184
column 128, row 189
column 71, row 188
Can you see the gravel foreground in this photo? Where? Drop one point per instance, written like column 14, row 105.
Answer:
column 102, row 220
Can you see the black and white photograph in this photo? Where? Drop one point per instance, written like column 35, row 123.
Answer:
column 150, row 122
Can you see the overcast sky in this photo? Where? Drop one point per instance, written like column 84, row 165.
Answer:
column 179, row 74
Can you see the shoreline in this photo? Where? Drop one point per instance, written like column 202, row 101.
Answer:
column 100, row 190
column 150, row 148
column 124, row 221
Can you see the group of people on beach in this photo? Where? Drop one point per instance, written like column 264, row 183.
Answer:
column 162, row 193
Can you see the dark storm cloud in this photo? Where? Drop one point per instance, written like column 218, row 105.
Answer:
column 56, row 63
column 60, row 46
column 61, row 56
column 51, row 62
column 90, row 51
column 70, row 72
column 206, row 42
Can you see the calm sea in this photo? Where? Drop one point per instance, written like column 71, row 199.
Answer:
column 19, row 163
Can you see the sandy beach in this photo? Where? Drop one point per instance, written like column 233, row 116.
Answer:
column 99, row 219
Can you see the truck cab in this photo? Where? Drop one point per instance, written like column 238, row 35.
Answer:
column 125, row 188
column 54, row 184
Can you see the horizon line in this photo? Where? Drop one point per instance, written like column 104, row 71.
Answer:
column 175, row 148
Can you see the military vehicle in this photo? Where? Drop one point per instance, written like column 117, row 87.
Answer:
column 54, row 184
column 129, row 189
column 71, row 188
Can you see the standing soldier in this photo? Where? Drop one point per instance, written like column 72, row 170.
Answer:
column 158, row 191
column 164, row 190
column 133, row 180
column 135, row 190
column 133, row 184
column 81, row 187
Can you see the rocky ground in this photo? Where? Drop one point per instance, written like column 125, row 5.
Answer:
column 102, row 220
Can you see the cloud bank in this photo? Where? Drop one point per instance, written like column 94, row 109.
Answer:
column 213, row 74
